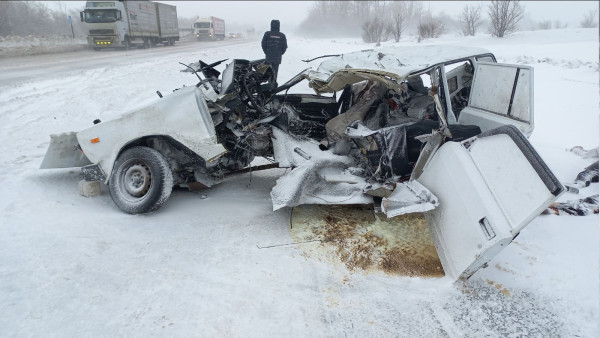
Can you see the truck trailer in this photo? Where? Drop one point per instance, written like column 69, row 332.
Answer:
column 130, row 23
column 210, row 28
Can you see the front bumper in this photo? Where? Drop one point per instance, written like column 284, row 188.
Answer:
column 103, row 41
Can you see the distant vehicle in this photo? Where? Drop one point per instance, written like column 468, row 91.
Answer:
column 232, row 35
column 210, row 28
column 130, row 23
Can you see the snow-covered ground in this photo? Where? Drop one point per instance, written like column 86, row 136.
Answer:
column 75, row 266
column 11, row 46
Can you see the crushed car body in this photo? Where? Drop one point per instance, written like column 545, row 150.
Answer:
column 440, row 130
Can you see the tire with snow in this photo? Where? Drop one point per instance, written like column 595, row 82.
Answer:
column 141, row 180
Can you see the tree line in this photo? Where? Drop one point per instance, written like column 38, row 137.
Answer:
column 380, row 20
column 24, row 18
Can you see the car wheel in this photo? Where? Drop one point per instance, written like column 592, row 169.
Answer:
column 141, row 180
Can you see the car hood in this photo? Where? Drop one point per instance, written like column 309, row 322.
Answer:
column 387, row 64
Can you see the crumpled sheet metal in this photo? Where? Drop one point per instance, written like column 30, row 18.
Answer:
column 284, row 145
column 317, row 180
column 338, row 80
column 409, row 197
column 311, row 184
column 391, row 142
column 336, row 127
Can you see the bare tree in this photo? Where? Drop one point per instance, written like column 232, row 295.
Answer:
column 589, row 20
column 338, row 18
column 417, row 10
column 398, row 22
column 560, row 25
column 430, row 28
column 62, row 8
column 401, row 15
column 544, row 25
column 31, row 18
column 373, row 30
column 5, row 17
column 470, row 19
column 378, row 7
column 504, row 16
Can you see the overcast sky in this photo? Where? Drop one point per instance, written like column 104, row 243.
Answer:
column 291, row 13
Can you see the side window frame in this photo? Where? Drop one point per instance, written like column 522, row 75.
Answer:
column 451, row 116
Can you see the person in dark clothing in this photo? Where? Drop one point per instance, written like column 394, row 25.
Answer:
column 274, row 44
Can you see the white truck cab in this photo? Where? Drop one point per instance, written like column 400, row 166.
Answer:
column 105, row 23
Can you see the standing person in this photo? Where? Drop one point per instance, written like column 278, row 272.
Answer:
column 274, row 44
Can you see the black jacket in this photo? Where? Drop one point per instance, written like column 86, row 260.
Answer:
column 274, row 43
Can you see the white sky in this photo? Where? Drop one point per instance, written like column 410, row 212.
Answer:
column 291, row 13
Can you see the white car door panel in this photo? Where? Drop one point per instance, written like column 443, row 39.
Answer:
column 489, row 188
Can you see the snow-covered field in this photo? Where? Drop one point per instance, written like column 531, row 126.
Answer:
column 75, row 266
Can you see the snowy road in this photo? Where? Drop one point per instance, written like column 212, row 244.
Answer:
column 27, row 68
column 75, row 266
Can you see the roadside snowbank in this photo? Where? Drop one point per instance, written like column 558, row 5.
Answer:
column 11, row 46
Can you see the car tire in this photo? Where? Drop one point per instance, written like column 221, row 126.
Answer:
column 141, row 180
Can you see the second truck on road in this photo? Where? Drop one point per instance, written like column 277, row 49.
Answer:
column 210, row 28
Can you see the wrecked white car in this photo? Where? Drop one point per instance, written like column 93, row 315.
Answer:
column 439, row 130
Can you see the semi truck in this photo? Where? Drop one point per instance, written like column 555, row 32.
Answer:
column 210, row 28
column 129, row 23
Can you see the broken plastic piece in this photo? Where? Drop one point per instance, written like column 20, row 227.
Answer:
column 581, row 207
column 302, row 153
column 587, row 176
column 571, row 189
column 578, row 150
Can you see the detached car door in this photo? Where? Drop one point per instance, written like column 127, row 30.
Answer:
column 501, row 94
column 489, row 188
